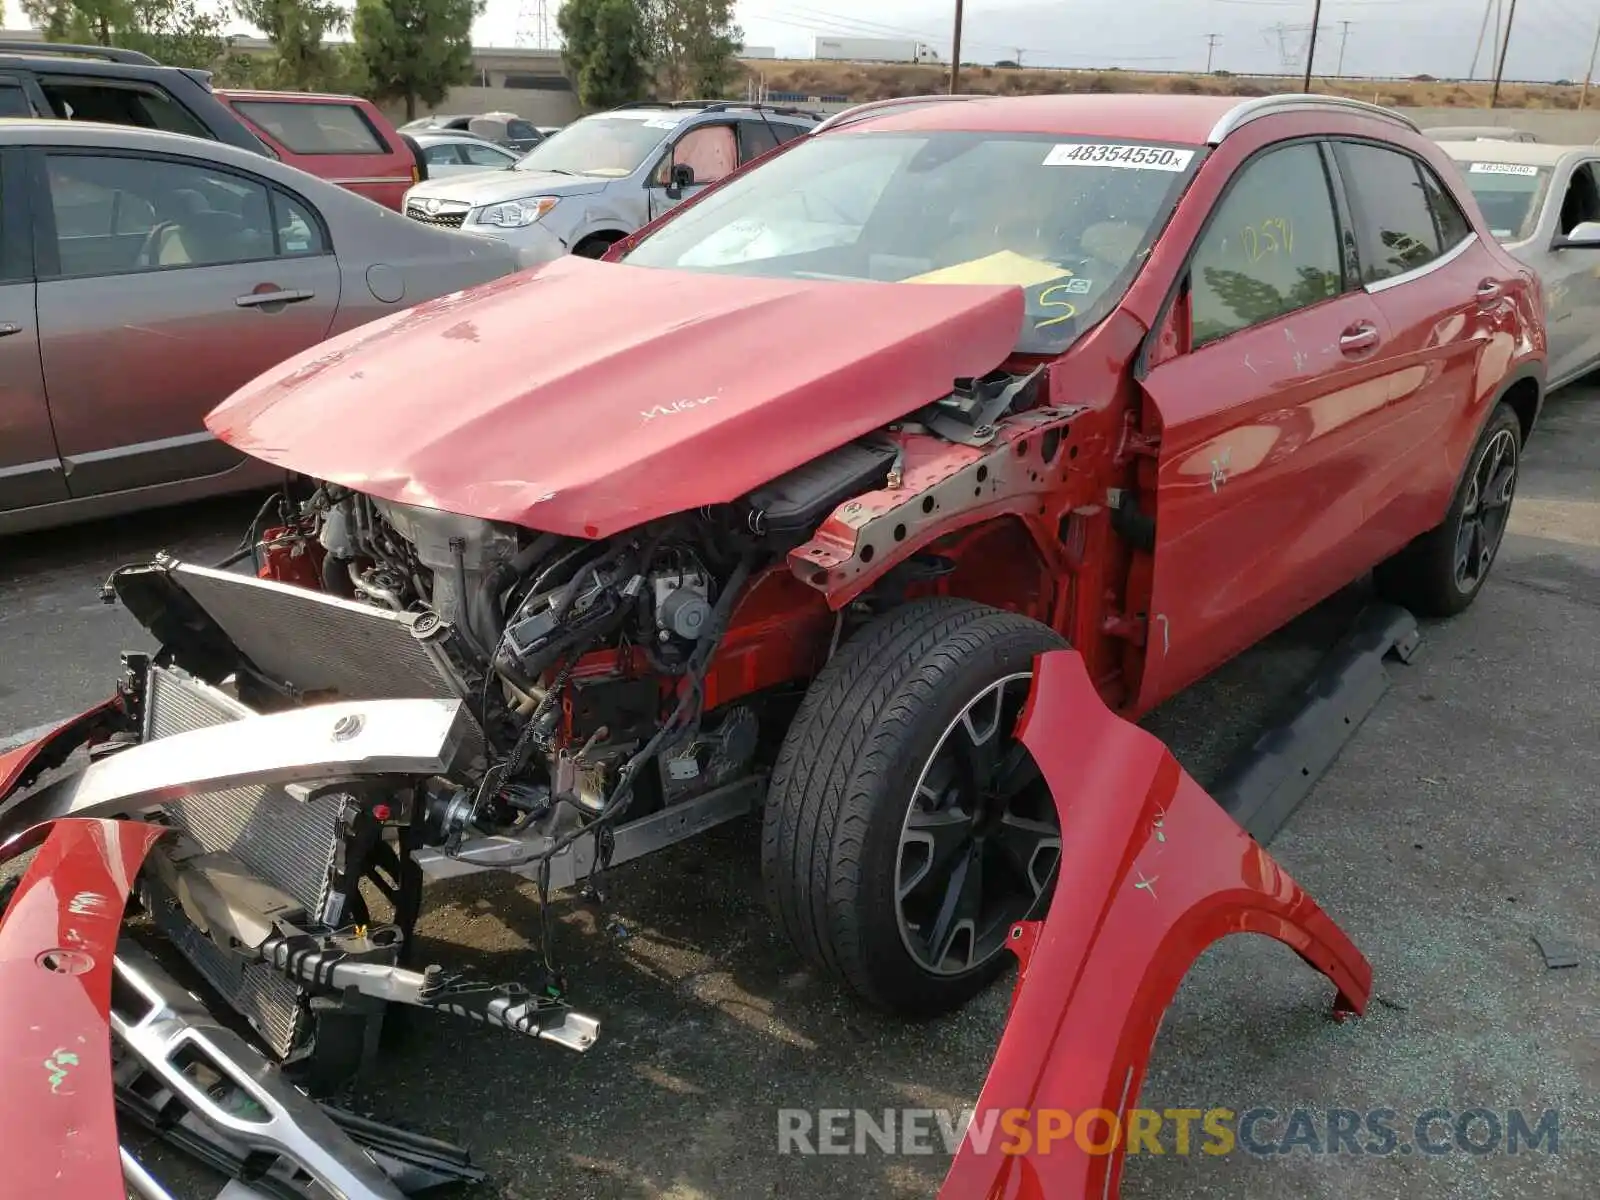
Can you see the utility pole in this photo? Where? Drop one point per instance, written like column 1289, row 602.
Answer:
column 1505, row 44
column 1211, row 47
column 1311, row 51
column 1483, row 32
column 1583, row 96
column 1344, row 36
column 955, row 54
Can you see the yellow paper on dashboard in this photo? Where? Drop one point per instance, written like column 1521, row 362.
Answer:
column 1005, row 266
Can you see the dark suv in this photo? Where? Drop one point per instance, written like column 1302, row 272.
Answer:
column 119, row 87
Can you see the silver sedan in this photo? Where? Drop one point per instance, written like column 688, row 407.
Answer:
column 450, row 154
column 145, row 276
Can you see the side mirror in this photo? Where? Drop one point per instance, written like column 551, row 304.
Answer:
column 1585, row 235
column 681, row 176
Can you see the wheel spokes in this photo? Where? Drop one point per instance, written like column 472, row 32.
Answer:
column 931, row 843
column 959, row 911
column 1031, row 849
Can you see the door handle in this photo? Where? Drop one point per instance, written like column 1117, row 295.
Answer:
column 7, row 328
column 262, row 299
column 1489, row 291
column 1359, row 338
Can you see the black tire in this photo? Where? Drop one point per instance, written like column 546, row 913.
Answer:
column 596, row 244
column 1426, row 576
column 848, row 784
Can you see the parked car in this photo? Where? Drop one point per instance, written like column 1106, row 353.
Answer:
column 505, row 129
column 452, row 154
column 603, row 177
column 1473, row 133
column 1543, row 203
column 144, row 276
column 343, row 139
column 773, row 512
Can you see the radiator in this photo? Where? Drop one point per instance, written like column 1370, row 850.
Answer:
column 288, row 842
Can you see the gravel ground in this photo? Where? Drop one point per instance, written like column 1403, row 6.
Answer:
column 1458, row 825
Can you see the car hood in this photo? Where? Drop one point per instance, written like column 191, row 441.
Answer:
column 496, row 187
column 587, row 397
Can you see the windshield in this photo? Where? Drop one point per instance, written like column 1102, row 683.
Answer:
column 1068, row 222
column 613, row 144
column 1510, row 195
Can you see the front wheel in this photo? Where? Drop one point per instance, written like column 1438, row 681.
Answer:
column 906, row 828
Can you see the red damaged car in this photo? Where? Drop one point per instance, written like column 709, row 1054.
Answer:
column 774, row 512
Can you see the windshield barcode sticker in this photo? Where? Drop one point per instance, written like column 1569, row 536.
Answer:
column 1139, row 158
column 1503, row 169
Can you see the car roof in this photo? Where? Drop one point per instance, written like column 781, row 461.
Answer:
column 290, row 97
column 47, row 131
column 1527, row 154
column 437, row 136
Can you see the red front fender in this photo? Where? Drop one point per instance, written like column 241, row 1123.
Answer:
column 58, row 939
column 1152, row 873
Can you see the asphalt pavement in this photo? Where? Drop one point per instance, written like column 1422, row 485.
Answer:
column 1459, row 826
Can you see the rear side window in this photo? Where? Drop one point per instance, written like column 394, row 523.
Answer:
column 315, row 128
column 1272, row 246
column 755, row 139
column 521, row 131
column 442, row 155
column 1394, row 221
column 13, row 100
column 144, row 107
column 1448, row 219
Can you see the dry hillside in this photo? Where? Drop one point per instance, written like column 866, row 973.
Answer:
column 862, row 81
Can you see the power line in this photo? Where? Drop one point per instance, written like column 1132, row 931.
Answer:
column 1211, row 46
column 1344, row 37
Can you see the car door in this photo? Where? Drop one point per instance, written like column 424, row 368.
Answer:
column 164, row 284
column 1264, row 412
column 30, row 466
column 1443, row 298
column 710, row 151
column 1571, row 276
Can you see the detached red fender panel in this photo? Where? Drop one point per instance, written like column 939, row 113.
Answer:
column 1152, row 873
column 58, row 939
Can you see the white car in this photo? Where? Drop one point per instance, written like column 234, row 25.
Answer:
column 450, row 154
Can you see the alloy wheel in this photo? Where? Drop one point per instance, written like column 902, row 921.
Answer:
column 981, row 840
column 1485, row 510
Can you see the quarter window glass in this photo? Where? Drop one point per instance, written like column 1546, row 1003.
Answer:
column 143, row 108
column 1394, row 224
column 1272, row 248
column 299, row 233
column 115, row 215
column 710, row 150
column 1451, row 222
column 314, row 128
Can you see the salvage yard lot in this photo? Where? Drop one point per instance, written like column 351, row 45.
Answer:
column 1459, row 824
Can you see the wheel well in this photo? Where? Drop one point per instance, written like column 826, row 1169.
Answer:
column 1523, row 397
column 604, row 238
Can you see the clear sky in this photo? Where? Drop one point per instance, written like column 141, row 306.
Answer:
column 1552, row 39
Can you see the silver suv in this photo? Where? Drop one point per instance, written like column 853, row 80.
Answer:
column 602, row 177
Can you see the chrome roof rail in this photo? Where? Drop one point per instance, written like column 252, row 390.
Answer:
column 1266, row 106
column 860, row 111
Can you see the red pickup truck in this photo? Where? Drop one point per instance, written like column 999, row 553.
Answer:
column 343, row 139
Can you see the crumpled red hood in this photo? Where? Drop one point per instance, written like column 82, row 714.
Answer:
column 585, row 398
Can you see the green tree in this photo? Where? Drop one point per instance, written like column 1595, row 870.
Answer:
column 607, row 50
column 693, row 43
column 415, row 49
column 176, row 32
column 302, row 60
